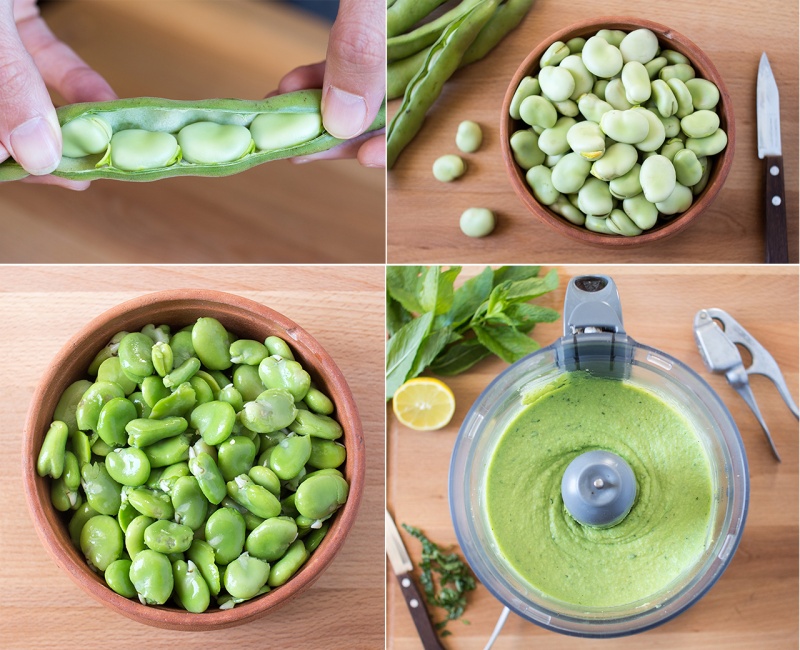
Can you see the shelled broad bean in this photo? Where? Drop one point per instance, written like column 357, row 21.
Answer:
column 147, row 139
column 213, row 479
column 614, row 132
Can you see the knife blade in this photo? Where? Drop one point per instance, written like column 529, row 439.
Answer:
column 402, row 567
column 769, row 149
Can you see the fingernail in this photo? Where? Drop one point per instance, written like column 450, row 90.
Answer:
column 35, row 146
column 343, row 113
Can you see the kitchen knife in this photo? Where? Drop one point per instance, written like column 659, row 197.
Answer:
column 401, row 564
column 769, row 149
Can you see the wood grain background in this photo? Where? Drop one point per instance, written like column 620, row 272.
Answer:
column 44, row 306
column 423, row 213
column 327, row 211
column 755, row 602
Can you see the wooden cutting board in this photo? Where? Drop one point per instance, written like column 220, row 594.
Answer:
column 423, row 213
column 755, row 602
column 43, row 307
column 195, row 49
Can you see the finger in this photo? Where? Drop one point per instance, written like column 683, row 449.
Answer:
column 303, row 78
column 355, row 70
column 61, row 68
column 373, row 152
column 348, row 149
column 79, row 186
column 29, row 129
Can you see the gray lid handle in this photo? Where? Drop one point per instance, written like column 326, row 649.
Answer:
column 592, row 303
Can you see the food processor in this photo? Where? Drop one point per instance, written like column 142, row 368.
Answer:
column 598, row 488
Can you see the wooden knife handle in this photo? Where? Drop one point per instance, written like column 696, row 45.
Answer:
column 775, row 212
column 419, row 614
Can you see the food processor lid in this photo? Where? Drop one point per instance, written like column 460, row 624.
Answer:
column 594, row 336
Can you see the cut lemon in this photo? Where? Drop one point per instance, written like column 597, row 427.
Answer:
column 424, row 404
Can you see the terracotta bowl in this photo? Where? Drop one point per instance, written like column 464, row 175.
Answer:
column 178, row 308
column 668, row 39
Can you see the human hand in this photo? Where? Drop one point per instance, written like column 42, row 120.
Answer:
column 31, row 59
column 353, row 81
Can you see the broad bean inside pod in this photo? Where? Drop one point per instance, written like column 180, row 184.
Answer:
column 638, row 146
column 140, row 466
column 147, row 138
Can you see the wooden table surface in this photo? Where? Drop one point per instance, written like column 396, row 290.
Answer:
column 194, row 49
column 44, row 306
column 755, row 602
column 423, row 213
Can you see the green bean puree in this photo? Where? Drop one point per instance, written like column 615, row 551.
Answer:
column 665, row 531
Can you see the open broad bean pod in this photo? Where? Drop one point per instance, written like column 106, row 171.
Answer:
column 148, row 138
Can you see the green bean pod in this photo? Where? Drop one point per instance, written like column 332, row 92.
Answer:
column 399, row 47
column 507, row 16
column 404, row 14
column 169, row 117
column 399, row 73
column 440, row 64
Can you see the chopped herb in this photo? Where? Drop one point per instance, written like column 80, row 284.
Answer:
column 445, row 579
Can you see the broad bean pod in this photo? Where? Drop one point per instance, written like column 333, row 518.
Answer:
column 404, row 45
column 158, row 118
column 440, row 64
column 505, row 18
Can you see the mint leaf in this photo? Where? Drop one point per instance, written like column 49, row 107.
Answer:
column 396, row 315
column 429, row 288
column 437, row 289
column 430, row 347
column 497, row 302
column 404, row 285
column 524, row 290
column 401, row 350
column 524, row 316
column 469, row 297
column 514, row 273
column 506, row 342
column 459, row 357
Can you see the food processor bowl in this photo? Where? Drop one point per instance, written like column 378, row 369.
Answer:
column 595, row 341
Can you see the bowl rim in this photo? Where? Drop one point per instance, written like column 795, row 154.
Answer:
column 135, row 310
column 675, row 225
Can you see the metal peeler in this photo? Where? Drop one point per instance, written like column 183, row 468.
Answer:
column 717, row 347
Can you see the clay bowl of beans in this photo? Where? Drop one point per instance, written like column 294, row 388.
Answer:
column 617, row 132
column 218, row 351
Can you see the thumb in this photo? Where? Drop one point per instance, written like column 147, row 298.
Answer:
column 29, row 129
column 355, row 70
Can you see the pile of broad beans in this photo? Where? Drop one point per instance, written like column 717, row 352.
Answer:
column 616, row 131
column 195, row 465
